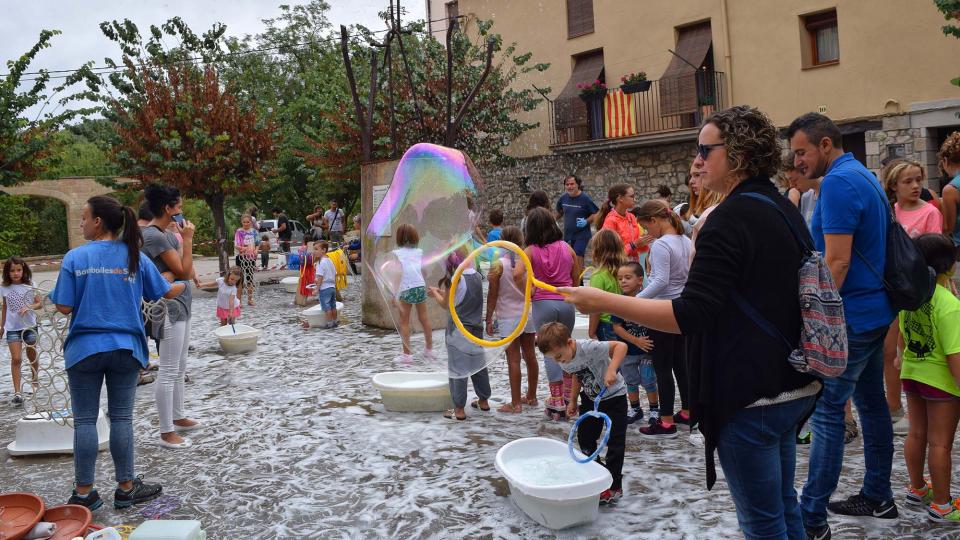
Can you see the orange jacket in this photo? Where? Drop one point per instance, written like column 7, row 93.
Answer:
column 628, row 229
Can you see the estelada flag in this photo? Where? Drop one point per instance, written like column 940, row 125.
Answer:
column 618, row 115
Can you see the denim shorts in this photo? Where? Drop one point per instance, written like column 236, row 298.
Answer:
column 16, row 336
column 328, row 298
column 637, row 370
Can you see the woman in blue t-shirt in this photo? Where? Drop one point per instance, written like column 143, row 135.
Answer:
column 107, row 344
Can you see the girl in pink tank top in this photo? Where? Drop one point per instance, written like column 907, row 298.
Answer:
column 552, row 264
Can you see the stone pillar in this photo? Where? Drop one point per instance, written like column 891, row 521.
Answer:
column 376, row 310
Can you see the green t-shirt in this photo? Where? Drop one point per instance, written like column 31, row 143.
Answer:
column 929, row 335
column 601, row 279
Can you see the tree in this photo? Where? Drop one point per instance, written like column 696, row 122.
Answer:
column 177, row 121
column 25, row 142
column 951, row 11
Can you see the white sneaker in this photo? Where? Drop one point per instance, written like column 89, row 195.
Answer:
column 696, row 438
column 187, row 443
column 901, row 426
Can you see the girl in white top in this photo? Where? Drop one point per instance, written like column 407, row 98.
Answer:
column 412, row 290
column 18, row 320
column 228, row 304
column 505, row 298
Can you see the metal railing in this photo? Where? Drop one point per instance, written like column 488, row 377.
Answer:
column 670, row 104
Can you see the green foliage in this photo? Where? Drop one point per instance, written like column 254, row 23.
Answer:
column 31, row 226
column 25, row 141
column 72, row 153
column 951, row 11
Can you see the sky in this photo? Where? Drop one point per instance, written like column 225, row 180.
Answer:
column 82, row 41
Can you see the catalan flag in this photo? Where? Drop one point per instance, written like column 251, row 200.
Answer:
column 618, row 115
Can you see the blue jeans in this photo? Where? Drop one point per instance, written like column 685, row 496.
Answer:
column 758, row 454
column 605, row 332
column 863, row 379
column 121, row 370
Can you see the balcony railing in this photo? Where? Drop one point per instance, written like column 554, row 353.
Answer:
column 671, row 104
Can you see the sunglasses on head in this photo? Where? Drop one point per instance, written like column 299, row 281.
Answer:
column 703, row 150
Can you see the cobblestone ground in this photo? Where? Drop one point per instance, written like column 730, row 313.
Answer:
column 298, row 445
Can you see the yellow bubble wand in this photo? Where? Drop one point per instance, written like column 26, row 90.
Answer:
column 529, row 283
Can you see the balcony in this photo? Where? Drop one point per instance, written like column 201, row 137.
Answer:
column 670, row 109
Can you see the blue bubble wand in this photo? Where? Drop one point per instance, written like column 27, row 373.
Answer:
column 608, row 424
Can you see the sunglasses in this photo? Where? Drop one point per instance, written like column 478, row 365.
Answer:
column 703, row 150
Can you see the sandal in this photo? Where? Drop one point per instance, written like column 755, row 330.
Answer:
column 476, row 405
column 532, row 401
column 509, row 408
column 449, row 413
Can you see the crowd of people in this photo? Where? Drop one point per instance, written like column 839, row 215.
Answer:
column 683, row 295
column 675, row 295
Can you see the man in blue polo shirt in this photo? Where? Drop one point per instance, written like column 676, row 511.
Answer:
column 849, row 227
column 577, row 210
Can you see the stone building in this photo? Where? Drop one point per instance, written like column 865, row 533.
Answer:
column 880, row 69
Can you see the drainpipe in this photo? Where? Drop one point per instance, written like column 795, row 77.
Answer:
column 727, row 56
column 429, row 19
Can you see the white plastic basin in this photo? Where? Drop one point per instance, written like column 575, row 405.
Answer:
column 315, row 315
column 290, row 284
column 414, row 391
column 549, row 486
column 244, row 340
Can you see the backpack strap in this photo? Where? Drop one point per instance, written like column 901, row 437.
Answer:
column 805, row 246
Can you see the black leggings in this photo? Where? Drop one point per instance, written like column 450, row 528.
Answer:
column 669, row 359
column 588, row 435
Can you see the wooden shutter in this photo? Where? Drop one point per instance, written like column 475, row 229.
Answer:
column 579, row 18
column 678, row 85
column 569, row 109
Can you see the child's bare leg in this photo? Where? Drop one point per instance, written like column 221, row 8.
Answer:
column 513, row 371
column 34, row 365
column 942, row 419
column 915, row 447
column 15, row 360
column 332, row 315
column 653, row 398
column 425, row 323
column 405, row 325
column 528, row 348
column 891, row 375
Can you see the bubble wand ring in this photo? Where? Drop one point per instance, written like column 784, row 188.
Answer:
column 527, row 288
column 595, row 413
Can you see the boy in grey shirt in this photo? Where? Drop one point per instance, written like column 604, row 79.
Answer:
column 595, row 365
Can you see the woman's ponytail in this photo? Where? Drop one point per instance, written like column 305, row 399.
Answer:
column 132, row 238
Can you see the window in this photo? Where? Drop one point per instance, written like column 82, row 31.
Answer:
column 579, row 18
column 453, row 10
column 822, row 37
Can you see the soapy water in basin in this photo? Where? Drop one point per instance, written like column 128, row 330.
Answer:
column 558, row 470
column 416, row 384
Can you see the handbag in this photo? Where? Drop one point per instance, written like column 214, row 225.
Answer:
column 906, row 278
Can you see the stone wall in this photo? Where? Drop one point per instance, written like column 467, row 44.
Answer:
column 916, row 143
column 644, row 168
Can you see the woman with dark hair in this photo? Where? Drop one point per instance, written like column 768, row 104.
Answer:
column 101, row 285
column 554, row 262
column 615, row 215
column 164, row 250
column 577, row 210
column 538, row 199
column 746, row 396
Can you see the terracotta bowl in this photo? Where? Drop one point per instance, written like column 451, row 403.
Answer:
column 72, row 520
column 19, row 513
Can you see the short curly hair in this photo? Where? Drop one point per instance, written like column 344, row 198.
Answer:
column 751, row 140
column 950, row 149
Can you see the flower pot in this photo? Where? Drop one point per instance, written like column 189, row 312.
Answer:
column 633, row 88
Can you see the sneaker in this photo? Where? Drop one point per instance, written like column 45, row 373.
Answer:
column 657, row 430
column 901, row 426
column 91, row 500
column 860, row 506
column 610, row 496
column 805, row 438
column 949, row 515
column 634, row 414
column 920, row 497
column 17, row 399
column 851, row 432
column 696, row 438
column 137, row 494
column 818, row 533
column 404, row 359
column 681, row 418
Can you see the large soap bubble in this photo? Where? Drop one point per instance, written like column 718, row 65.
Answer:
column 437, row 191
